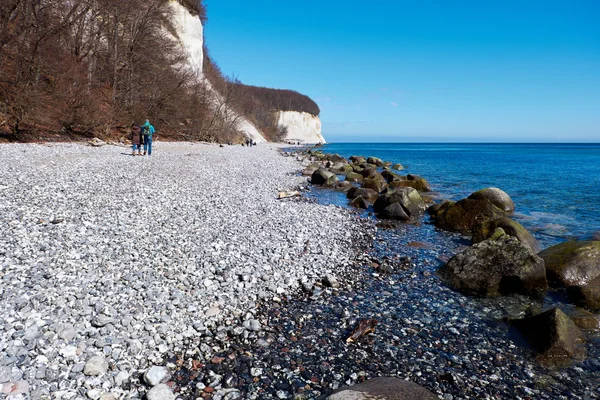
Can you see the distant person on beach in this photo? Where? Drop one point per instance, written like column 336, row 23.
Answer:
column 148, row 131
column 136, row 139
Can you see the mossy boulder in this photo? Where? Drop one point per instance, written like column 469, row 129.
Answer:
column 309, row 170
column 335, row 158
column 354, row 177
column 485, row 229
column 385, row 388
column 413, row 181
column 377, row 183
column 389, row 176
column 358, row 160
column 397, row 167
column 465, row 215
column 496, row 267
column 585, row 319
column 332, row 182
column 587, row 295
column 369, row 171
column 368, row 194
column 375, row 161
column 408, row 198
column 321, row 176
column 498, row 197
column 344, row 186
column 359, row 202
column 554, row 336
column 573, row 263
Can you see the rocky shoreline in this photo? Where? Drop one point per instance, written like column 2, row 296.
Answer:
column 212, row 288
column 112, row 265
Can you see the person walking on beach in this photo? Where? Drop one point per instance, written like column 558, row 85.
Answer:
column 148, row 131
column 136, row 139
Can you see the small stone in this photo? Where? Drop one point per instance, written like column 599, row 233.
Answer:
column 156, row 375
column 96, row 366
column 252, row 325
column 66, row 332
column 160, row 392
column 213, row 311
column 108, row 396
column 18, row 387
column 121, row 378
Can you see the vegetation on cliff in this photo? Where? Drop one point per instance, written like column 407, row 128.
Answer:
column 92, row 67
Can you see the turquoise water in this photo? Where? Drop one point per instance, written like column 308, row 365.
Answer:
column 556, row 187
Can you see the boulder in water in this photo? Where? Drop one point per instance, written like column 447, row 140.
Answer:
column 413, row 181
column 587, row 295
column 574, row 263
column 385, row 388
column 407, row 198
column 368, row 194
column 496, row 267
column 485, row 229
column 377, row 183
column 554, row 336
column 465, row 215
column 375, row 161
column 321, row 176
column 498, row 197
column 354, row 177
column 397, row 167
column 358, row 160
column 359, row 202
column 308, row 171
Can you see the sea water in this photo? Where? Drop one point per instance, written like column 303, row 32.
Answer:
column 555, row 187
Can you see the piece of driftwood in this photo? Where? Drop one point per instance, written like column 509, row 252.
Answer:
column 285, row 195
column 364, row 327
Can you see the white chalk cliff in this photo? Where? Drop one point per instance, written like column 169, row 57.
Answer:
column 189, row 31
column 301, row 127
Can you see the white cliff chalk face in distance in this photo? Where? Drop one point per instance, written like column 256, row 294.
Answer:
column 301, row 127
column 189, row 32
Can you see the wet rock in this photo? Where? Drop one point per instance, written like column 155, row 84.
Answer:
column 308, row 171
column 465, row 215
column 357, row 159
column 344, row 186
column 96, row 366
column 396, row 212
column 485, row 229
column 321, row 176
column 375, row 161
column 409, row 199
column 585, row 319
column 554, row 336
column 497, row 197
column 354, row 177
column 496, row 267
column 160, row 392
column 359, row 202
column 368, row 194
column 376, row 182
column 574, row 263
column 387, row 388
column 587, row 295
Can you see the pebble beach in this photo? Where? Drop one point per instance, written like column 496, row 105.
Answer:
column 111, row 265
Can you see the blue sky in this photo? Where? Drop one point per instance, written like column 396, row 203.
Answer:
column 423, row 70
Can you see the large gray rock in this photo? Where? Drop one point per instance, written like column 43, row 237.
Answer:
column 321, row 176
column 486, row 229
column 387, row 388
column 368, row 194
column 160, row 392
column 408, row 198
column 465, row 215
column 497, row 197
column 554, row 336
column 496, row 267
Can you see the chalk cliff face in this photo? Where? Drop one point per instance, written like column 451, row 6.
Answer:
column 301, row 127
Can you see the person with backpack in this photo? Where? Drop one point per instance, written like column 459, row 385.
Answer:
column 136, row 138
column 148, row 131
